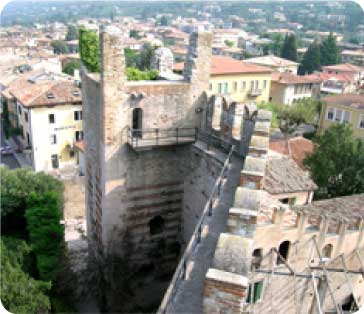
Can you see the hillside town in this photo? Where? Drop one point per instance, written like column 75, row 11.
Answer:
column 182, row 158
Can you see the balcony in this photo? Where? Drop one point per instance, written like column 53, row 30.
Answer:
column 255, row 92
column 141, row 139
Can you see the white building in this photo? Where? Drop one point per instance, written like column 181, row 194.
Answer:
column 49, row 116
column 287, row 88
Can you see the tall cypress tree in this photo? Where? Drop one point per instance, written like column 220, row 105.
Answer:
column 329, row 51
column 311, row 59
column 289, row 48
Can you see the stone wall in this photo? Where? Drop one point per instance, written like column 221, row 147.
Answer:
column 202, row 169
column 93, row 118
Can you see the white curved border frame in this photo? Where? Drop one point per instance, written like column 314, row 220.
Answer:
column 3, row 3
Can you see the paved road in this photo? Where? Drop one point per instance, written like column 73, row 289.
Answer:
column 8, row 160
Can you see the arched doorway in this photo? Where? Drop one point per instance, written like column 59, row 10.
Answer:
column 137, row 122
column 327, row 251
column 283, row 251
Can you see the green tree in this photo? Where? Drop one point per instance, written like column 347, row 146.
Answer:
column 276, row 45
column 289, row 48
column 266, row 50
column 15, row 187
column 134, row 74
column 5, row 118
column 311, row 60
column 59, row 47
column 89, row 49
column 19, row 292
column 354, row 40
column 337, row 163
column 134, row 34
column 229, row 43
column 131, row 57
column 145, row 57
column 329, row 52
column 71, row 67
column 72, row 33
column 46, row 233
column 290, row 117
column 164, row 21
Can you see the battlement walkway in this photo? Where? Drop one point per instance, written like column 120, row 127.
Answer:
column 190, row 292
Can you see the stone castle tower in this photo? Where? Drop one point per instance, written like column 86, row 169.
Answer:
column 137, row 141
column 154, row 152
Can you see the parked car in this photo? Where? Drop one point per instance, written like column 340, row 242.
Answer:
column 6, row 150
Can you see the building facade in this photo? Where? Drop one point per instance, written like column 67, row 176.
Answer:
column 47, row 110
column 348, row 108
column 238, row 80
column 288, row 88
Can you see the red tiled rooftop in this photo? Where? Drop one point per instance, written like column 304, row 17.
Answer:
column 349, row 100
column 346, row 67
column 324, row 76
column 297, row 148
column 44, row 92
column 290, row 78
column 227, row 65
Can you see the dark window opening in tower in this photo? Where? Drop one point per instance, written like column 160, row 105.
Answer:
column 137, row 123
column 156, row 225
column 257, row 258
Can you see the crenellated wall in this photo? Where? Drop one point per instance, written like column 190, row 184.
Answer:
column 258, row 224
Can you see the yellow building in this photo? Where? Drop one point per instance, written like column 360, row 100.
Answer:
column 49, row 116
column 239, row 80
column 345, row 108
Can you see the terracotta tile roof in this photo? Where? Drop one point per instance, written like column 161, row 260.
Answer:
column 227, row 65
column 349, row 100
column 324, row 76
column 297, row 148
column 282, row 175
column 44, row 92
column 271, row 60
column 290, row 78
column 346, row 208
column 345, row 67
column 180, row 50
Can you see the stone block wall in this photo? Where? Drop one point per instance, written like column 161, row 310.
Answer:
column 224, row 292
column 201, row 172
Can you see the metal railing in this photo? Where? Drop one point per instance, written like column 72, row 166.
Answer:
column 157, row 137
column 181, row 270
